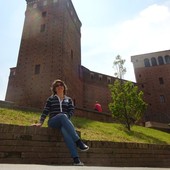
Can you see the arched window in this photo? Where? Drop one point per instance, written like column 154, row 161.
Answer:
column 167, row 59
column 146, row 62
column 92, row 75
column 100, row 77
column 160, row 60
column 153, row 61
column 162, row 98
column 108, row 79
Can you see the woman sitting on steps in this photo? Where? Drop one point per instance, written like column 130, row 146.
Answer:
column 60, row 108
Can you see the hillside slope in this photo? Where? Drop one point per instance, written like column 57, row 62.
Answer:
column 92, row 130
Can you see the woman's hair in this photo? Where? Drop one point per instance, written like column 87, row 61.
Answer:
column 54, row 85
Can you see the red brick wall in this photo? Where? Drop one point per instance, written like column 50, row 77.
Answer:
column 152, row 75
column 96, row 88
column 93, row 115
column 56, row 50
column 32, row 145
column 148, row 81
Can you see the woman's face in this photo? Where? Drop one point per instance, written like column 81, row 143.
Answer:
column 59, row 88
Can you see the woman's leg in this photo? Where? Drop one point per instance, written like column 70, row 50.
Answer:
column 70, row 143
column 57, row 123
column 61, row 120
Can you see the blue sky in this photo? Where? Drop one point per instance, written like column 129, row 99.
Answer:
column 109, row 28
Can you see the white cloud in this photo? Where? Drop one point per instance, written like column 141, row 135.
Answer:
column 155, row 14
column 146, row 32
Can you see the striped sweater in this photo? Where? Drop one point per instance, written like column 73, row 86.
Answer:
column 55, row 106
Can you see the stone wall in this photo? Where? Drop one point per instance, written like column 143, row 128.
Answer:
column 33, row 145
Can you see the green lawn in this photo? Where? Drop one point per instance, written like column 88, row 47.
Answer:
column 92, row 130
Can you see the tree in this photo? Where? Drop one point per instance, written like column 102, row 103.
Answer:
column 118, row 66
column 127, row 104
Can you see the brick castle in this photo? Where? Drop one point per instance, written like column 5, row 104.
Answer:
column 51, row 49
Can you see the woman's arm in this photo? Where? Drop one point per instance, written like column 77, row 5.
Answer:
column 45, row 112
column 70, row 108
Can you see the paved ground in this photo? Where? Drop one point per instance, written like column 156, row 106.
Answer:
column 45, row 167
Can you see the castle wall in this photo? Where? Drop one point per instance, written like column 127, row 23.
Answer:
column 96, row 88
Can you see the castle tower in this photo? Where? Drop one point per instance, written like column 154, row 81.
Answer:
column 50, row 49
column 152, row 75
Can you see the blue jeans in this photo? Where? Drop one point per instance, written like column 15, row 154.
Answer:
column 62, row 122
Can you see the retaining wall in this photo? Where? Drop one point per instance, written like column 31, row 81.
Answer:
column 81, row 112
column 33, row 145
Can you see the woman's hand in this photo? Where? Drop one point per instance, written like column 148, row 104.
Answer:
column 37, row 124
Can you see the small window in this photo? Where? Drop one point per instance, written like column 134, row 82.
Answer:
column 161, row 81
column 100, row 77
column 91, row 75
column 153, row 61
column 44, row 14
column 162, row 99
column 167, row 59
column 160, row 60
column 108, row 79
column 42, row 29
column 146, row 62
column 72, row 54
column 37, row 69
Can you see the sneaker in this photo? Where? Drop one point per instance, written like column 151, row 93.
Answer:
column 82, row 146
column 77, row 162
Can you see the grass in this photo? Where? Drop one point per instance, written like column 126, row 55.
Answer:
column 92, row 130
